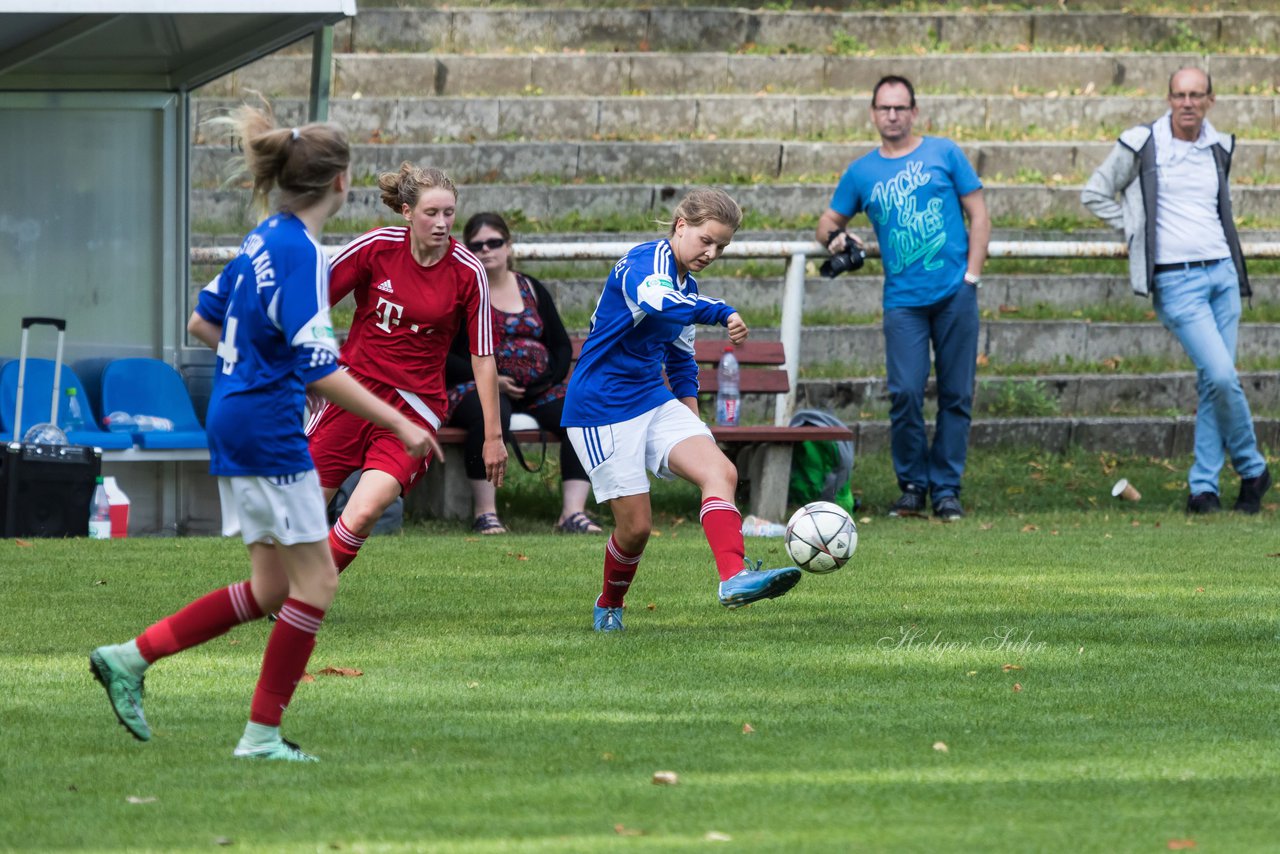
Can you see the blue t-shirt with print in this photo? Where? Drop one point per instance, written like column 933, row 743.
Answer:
column 913, row 203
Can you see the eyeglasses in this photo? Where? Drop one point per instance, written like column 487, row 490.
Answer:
column 491, row 243
column 889, row 108
column 1197, row 97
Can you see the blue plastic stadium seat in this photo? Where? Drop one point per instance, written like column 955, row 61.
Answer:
column 38, row 388
column 153, row 387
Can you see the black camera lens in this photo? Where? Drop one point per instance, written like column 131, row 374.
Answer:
column 842, row 262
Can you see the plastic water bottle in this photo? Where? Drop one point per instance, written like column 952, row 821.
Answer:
column 75, row 415
column 123, row 422
column 100, row 513
column 119, row 422
column 727, row 396
column 152, row 424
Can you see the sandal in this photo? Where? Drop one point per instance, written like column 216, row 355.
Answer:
column 488, row 523
column 578, row 523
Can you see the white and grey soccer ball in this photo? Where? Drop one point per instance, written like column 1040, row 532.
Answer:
column 821, row 537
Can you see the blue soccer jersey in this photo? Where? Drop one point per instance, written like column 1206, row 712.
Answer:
column 272, row 303
column 643, row 322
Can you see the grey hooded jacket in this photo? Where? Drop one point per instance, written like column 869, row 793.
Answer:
column 1130, row 169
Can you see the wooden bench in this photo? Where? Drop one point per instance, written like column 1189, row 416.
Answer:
column 762, row 453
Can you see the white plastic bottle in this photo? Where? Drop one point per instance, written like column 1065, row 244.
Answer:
column 100, row 513
column 119, row 422
column 152, row 424
column 727, row 395
column 75, row 414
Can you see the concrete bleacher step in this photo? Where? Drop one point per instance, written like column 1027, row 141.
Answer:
column 460, row 30
column 1073, row 395
column 378, row 75
column 761, row 160
column 784, row 116
column 781, row 201
column 1160, row 436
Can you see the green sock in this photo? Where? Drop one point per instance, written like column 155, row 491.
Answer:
column 259, row 735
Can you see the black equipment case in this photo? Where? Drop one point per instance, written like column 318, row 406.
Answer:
column 45, row 490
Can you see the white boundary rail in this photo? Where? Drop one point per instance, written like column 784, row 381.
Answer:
column 797, row 253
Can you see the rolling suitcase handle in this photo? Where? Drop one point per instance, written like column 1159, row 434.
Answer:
column 27, row 323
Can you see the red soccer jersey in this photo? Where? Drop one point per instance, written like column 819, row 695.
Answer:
column 407, row 315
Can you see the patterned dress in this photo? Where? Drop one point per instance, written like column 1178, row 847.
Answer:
column 520, row 353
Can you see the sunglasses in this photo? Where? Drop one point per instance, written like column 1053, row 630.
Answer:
column 491, row 243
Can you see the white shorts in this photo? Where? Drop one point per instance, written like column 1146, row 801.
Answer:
column 617, row 456
column 286, row 509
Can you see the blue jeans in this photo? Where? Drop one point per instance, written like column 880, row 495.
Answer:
column 951, row 326
column 1201, row 306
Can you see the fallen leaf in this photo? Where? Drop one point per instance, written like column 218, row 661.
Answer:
column 22, row 544
column 866, row 520
column 1274, row 554
column 1009, row 309
column 517, row 555
column 747, row 729
column 623, row 830
column 652, row 606
column 99, row 582
column 717, row 836
column 307, row 677
column 134, row 799
column 1199, row 589
column 72, row 788
column 607, row 757
column 1007, row 667
column 340, row 671
column 972, row 673
column 941, row 747
column 473, row 684
column 223, row 840
column 986, row 526
column 665, row 778
column 1028, row 528
column 1017, row 686
column 1181, row 844
column 1080, row 651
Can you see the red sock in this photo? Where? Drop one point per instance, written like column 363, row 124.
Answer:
column 285, row 661
column 619, row 569
column 204, row 619
column 722, row 523
column 343, row 545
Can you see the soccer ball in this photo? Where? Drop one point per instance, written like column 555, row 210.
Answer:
column 821, row 537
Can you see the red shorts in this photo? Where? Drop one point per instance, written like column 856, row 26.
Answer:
column 342, row 443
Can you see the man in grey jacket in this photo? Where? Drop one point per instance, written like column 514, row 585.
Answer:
column 1184, row 252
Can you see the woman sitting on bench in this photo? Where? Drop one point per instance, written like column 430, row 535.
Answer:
column 533, row 353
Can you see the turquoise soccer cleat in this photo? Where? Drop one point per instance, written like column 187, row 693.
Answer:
column 753, row 584
column 607, row 619
column 124, row 690
column 281, row 749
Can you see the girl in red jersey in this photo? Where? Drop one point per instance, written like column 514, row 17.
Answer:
column 414, row 287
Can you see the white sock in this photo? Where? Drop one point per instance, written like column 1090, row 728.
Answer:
column 131, row 658
column 259, row 735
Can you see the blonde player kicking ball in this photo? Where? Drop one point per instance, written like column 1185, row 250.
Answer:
column 624, row 421
column 267, row 316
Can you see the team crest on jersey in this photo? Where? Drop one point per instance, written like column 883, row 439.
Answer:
column 385, row 287
column 658, row 280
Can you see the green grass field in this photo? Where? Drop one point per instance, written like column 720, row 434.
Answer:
column 1084, row 680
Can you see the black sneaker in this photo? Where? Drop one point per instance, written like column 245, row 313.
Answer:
column 1251, row 491
column 948, row 509
column 1203, row 503
column 910, row 503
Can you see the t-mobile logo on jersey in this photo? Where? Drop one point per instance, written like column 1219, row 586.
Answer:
column 388, row 314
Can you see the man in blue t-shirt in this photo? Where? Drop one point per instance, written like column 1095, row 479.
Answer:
column 917, row 191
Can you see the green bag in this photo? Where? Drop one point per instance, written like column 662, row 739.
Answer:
column 821, row 471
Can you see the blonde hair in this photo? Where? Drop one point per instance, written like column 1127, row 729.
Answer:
column 703, row 204
column 302, row 161
column 407, row 186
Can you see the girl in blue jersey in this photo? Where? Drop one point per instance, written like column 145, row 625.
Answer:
column 624, row 420
column 267, row 317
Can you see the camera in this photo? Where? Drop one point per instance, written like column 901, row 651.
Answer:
column 850, row 258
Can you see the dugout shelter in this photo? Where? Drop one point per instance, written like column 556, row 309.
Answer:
column 95, row 133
